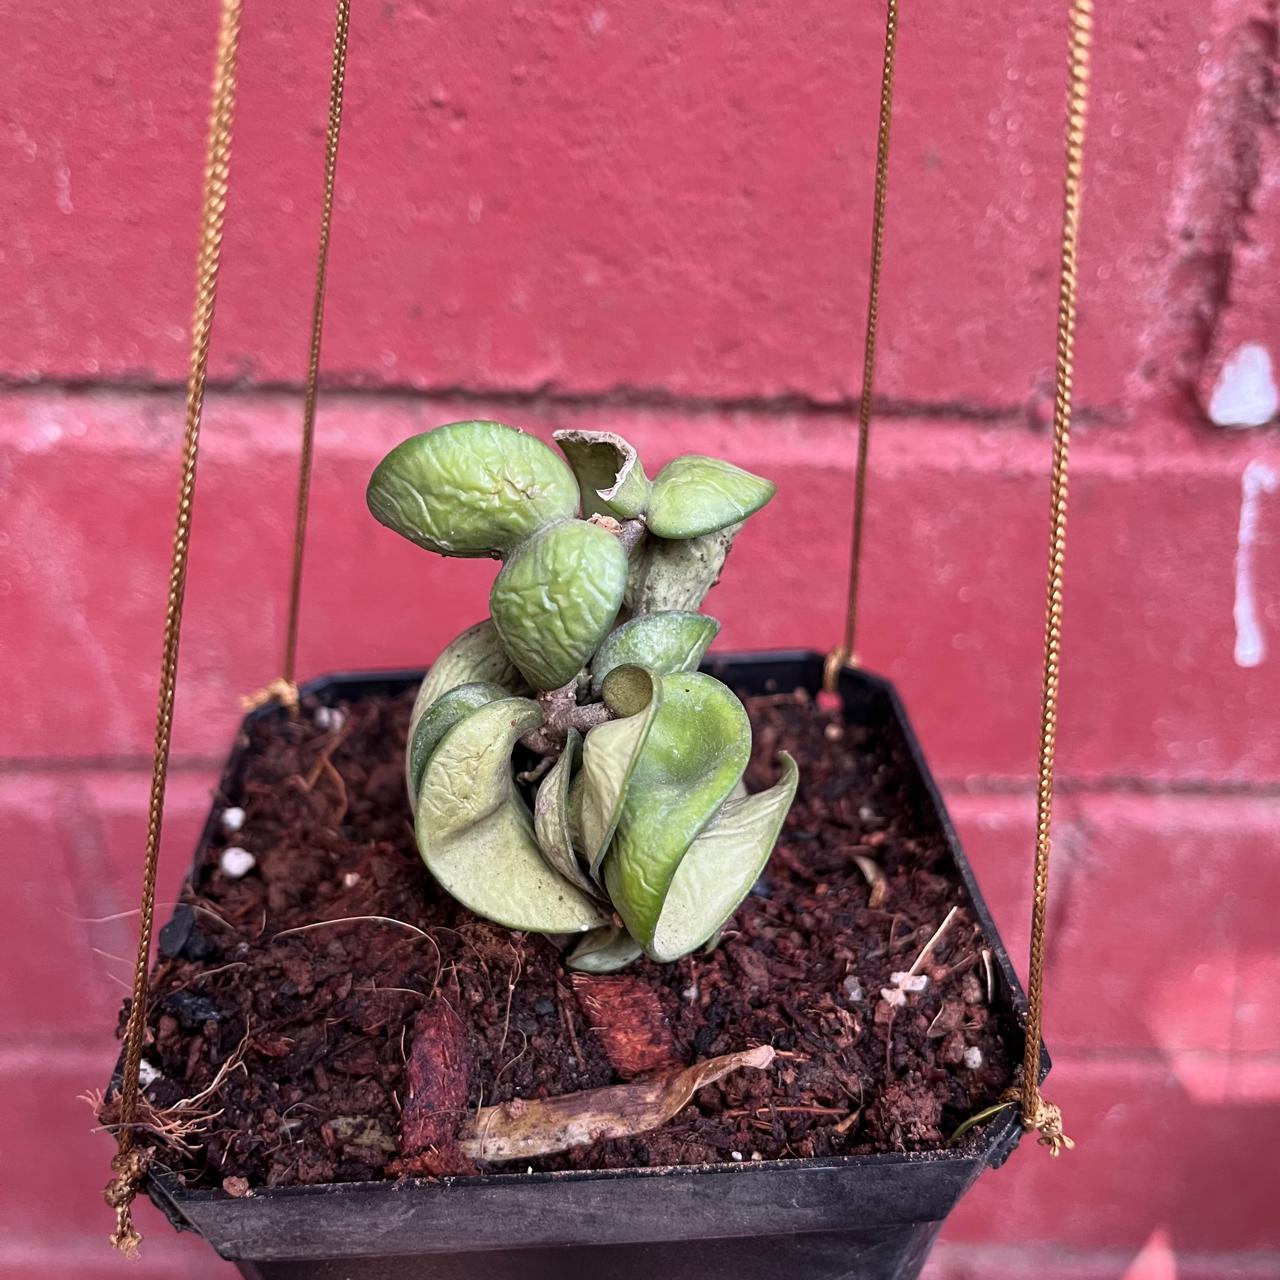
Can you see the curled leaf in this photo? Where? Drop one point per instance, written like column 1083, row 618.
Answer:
column 531, row 1127
column 609, row 473
column 556, row 598
column 694, row 495
column 474, row 656
column 665, row 643
column 721, row 866
column 551, row 818
column 676, row 575
column 436, row 720
column 605, row 951
column 476, row 835
column 691, row 759
column 609, row 755
column 471, row 488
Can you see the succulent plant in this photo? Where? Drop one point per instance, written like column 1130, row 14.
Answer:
column 570, row 769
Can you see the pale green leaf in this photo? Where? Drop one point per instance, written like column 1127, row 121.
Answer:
column 476, row 835
column 475, row 656
column 556, row 598
column 694, row 495
column 609, row 756
column 693, row 756
column 676, row 575
column 471, row 488
column 604, row 951
column 609, row 473
column 721, row 866
column 551, row 817
column 665, row 643
column 436, row 720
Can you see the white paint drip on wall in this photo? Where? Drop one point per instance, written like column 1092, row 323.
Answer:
column 1245, row 394
column 1251, row 647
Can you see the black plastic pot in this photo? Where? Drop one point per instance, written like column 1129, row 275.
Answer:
column 856, row 1218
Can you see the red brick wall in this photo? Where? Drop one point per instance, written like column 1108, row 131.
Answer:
column 654, row 217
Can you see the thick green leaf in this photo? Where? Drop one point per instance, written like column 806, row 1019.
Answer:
column 692, row 758
column 475, row 833
column 694, row 495
column 609, row 756
column 609, row 473
column 551, row 818
column 676, row 575
column 556, row 599
column 605, row 951
column 665, row 643
column 471, row 488
column 721, row 866
column 436, row 720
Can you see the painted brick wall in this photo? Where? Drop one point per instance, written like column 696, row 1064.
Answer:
column 654, row 217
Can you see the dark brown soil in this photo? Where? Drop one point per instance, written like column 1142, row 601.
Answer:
column 318, row 1024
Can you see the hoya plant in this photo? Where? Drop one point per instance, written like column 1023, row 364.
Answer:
column 570, row 769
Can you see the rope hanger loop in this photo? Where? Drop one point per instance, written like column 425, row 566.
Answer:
column 130, row 1162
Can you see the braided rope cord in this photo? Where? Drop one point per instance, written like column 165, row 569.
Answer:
column 1038, row 1114
column 130, row 1162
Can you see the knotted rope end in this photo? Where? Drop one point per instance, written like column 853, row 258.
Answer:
column 1044, row 1119
column 130, row 1169
column 280, row 690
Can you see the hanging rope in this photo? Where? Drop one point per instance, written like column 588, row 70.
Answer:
column 130, row 1162
column 846, row 653
column 284, row 688
column 1037, row 1114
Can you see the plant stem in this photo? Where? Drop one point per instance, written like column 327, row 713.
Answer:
column 561, row 712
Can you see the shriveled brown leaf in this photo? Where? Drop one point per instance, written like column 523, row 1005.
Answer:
column 524, row 1128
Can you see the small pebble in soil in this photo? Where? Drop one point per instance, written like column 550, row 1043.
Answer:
column 852, row 989
column 236, row 862
column 331, row 718
column 913, row 982
column 735, row 1155
column 973, row 1057
column 147, row 1074
column 351, row 879
column 232, row 819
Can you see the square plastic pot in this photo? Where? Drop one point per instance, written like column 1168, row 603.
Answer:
column 857, row 1218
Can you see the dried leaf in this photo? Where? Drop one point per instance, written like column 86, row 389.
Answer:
column 525, row 1128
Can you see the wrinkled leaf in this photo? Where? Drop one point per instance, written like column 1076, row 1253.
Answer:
column 721, row 866
column 694, row 495
column 677, row 575
column 605, row 951
column 476, row 835
column 609, row 473
column 551, row 817
column 609, row 757
column 665, row 643
column 692, row 758
column 556, row 599
column 436, row 720
column 534, row 1127
column 471, row 488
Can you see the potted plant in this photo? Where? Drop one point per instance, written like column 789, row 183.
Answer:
column 602, row 1025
